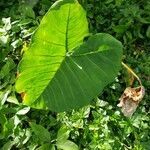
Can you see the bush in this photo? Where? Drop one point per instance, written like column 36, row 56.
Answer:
column 99, row 125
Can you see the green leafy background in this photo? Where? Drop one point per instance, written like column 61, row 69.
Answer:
column 100, row 125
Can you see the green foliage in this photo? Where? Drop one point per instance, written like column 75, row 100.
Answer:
column 96, row 126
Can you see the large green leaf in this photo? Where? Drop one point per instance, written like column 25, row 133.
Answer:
column 62, row 29
column 59, row 71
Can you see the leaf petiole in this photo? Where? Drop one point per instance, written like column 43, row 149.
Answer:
column 132, row 72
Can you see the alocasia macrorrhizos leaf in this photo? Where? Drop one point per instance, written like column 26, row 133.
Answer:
column 59, row 71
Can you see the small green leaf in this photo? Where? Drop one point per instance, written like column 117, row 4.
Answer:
column 27, row 11
column 41, row 132
column 63, row 134
column 2, row 119
column 7, row 23
column 5, row 70
column 23, row 111
column 62, row 142
column 46, row 147
column 16, row 43
column 8, row 145
column 16, row 121
column 9, row 127
column 28, row 135
column 4, row 39
column 12, row 99
column 3, row 97
column 67, row 145
column 148, row 32
column 2, row 122
column 120, row 28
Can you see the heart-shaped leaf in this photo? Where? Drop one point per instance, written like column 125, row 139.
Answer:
column 59, row 71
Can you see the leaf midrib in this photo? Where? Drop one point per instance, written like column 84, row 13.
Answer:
column 67, row 26
column 66, row 46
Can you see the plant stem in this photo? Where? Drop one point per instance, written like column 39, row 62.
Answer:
column 132, row 72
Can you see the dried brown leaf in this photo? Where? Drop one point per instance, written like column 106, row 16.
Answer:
column 130, row 99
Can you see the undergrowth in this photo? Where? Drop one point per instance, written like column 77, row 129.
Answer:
column 100, row 125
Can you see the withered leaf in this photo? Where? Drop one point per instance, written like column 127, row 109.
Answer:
column 130, row 99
